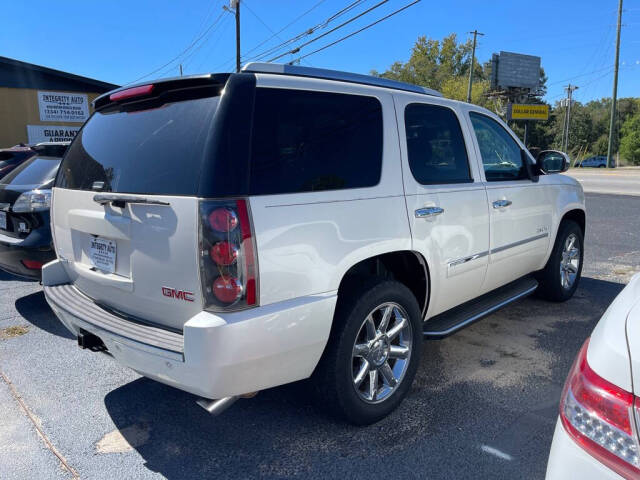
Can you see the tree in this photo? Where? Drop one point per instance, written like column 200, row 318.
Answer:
column 442, row 65
column 630, row 143
column 456, row 89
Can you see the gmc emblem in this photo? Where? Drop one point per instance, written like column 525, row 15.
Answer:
column 178, row 294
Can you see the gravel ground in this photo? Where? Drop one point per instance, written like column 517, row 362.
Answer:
column 483, row 405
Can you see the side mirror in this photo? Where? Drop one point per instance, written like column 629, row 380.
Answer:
column 552, row 161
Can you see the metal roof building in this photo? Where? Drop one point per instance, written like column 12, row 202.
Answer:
column 42, row 104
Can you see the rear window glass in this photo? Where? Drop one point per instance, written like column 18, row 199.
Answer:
column 35, row 171
column 155, row 151
column 310, row 141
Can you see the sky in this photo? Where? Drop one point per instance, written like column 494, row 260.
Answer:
column 121, row 41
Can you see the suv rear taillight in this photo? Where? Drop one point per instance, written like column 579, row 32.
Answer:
column 228, row 263
column 599, row 417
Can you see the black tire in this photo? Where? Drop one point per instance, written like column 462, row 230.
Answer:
column 602, row 166
column 333, row 379
column 550, row 279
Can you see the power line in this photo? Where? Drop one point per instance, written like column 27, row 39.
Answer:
column 358, row 31
column 217, row 67
column 299, row 47
column 260, row 20
column 581, row 75
column 181, row 53
column 189, row 58
column 214, row 44
column 275, row 34
column 307, row 32
column 246, row 5
column 205, row 19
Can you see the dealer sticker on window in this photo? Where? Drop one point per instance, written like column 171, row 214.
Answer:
column 102, row 253
column 3, row 220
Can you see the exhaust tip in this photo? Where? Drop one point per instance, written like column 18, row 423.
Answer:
column 216, row 407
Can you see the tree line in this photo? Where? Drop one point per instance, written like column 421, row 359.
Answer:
column 444, row 65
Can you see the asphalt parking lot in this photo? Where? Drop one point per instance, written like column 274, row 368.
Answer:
column 483, row 405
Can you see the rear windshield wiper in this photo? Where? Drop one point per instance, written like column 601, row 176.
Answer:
column 121, row 200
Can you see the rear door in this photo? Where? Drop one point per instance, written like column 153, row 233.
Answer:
column 446, row 201
column 140, row 257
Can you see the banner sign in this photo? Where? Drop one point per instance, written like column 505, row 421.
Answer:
column 63, row 107
column 50, row 133
column 528, row 112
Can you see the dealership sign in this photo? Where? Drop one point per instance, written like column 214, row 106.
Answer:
column 50, row 133
column 528, row 112
column 63, row 107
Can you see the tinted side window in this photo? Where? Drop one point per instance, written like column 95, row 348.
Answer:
column 309, row 141
column 501, row 155
column 435, row 145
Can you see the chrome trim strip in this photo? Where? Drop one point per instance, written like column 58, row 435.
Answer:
column 519, row 242
column 470, row 258
column 484, row 313
column 460, row 261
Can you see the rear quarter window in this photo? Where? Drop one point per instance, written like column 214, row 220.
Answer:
column 305, row 141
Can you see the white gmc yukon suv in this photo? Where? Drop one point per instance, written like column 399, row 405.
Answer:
column 228, row 233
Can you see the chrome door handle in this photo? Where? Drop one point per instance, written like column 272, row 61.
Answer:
column 501, row 203
column 429, row 212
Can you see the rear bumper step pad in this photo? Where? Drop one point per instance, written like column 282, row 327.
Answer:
column 68, row 298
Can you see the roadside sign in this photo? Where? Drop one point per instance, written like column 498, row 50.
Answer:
column 51, row 133
column 63, row 107
column 519, row 111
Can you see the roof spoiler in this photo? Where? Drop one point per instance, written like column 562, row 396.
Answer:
column 162, row 90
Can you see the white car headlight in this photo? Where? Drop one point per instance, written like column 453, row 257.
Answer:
column 33, row 201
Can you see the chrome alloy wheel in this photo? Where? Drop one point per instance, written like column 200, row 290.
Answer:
column 381, row 352
column 570, row 262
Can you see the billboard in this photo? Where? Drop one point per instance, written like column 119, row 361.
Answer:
column 515, row 70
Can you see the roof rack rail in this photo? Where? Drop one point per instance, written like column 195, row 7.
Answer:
column 296, row 70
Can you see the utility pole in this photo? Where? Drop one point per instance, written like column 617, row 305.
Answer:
column 180, row 69
column 473, row 59
column 569, row 88
column 234, row 7
column 612, row 124
column 236, row 3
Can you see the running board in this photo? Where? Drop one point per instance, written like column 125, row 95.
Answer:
column 457, row 318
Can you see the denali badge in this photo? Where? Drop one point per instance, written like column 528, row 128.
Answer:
column 179, row 294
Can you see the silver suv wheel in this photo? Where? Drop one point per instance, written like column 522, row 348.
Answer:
column 570, row 262
column 381, row 352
